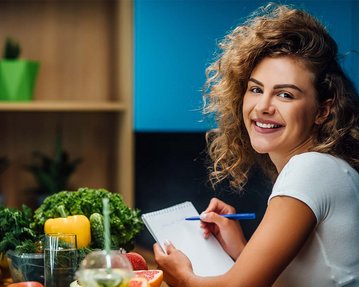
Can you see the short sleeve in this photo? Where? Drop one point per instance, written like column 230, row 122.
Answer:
column 310, row 178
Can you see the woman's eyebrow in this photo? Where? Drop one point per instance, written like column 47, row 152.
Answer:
column 281, row 86
column 288, row 86
column 255, row 81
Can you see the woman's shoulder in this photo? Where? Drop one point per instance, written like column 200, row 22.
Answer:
column 312, row 155
column 315, row 164
column 315, row 179
column 308, row 159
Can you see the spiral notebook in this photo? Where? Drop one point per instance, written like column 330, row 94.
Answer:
column 207, row 255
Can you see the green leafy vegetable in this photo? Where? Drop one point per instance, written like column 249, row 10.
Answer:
column 125, row 223
column 15, row 231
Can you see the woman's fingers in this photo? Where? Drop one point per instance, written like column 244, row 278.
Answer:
column 169, row 246
column 212, row 217
column 158, row 251
column 219, row 206
column 206, row 228
column 212, row 223
column 156, row 248
column 214, row 204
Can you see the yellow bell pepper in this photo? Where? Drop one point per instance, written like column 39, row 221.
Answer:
column 76, row 224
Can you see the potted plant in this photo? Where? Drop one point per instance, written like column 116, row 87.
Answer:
column 53, row 173
column 17, row 77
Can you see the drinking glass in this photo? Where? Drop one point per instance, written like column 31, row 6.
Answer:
column 60, row 259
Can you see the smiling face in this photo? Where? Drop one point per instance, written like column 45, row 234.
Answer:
column 280, row 108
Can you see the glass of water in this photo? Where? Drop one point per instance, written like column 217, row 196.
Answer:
column 60, row 259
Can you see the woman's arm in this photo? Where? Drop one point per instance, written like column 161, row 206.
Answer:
column 284, row 229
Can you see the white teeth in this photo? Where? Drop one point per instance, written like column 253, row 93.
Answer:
column 266, row 126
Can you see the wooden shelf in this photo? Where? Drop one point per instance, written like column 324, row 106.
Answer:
column 59, row 106
column 84, row 87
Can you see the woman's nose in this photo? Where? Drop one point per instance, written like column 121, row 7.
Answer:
column 265, row 105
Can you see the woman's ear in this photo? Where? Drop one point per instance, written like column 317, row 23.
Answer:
column 324, row 111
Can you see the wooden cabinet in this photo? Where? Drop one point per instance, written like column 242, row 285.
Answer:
column 84, row 87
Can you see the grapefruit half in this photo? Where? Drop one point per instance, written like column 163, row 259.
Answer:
column 138, row 282
column 137, row 261
column 153, row 276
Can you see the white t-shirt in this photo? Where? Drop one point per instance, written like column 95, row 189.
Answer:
column 330, row 187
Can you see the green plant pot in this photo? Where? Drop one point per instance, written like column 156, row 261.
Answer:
column 17, row 79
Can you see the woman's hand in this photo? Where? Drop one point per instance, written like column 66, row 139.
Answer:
column 228, row 232
column 177, row 269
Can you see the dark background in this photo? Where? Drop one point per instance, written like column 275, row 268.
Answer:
column 171, row 168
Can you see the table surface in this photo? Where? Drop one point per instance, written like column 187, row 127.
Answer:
column 147, row 254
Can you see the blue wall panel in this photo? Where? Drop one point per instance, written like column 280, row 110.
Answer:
column 176, row 39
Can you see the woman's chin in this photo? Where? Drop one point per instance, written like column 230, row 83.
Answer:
column 261, row 149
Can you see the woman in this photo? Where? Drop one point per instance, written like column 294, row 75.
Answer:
column 283, row 102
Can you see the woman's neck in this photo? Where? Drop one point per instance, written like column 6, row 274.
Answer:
column 280, row 159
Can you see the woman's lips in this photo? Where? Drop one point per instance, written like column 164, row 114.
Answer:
column 266, row 126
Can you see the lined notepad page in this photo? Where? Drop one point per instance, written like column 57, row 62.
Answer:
column 207, row 255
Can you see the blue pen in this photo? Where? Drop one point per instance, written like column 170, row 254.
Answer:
column 235, row 216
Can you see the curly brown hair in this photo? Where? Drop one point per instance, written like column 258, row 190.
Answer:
column 276, row 30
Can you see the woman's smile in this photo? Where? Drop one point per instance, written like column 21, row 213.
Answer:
column 264, row 126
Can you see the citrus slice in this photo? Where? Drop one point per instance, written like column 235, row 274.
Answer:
column 26, row 284
column 137, row 261
column 138, row 282
column 154, row 276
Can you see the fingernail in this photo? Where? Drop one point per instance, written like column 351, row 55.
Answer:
column 203, row 216
column 167, row 243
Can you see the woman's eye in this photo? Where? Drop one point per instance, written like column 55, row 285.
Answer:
column 255, row 90
column 285, row 95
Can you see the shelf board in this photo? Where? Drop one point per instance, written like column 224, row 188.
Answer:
column 61, row 106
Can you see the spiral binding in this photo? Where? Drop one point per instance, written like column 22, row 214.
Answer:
column 168, row 209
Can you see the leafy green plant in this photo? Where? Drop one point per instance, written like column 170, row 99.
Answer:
column 12, row 49
column 15, row 231
column 52, row 174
